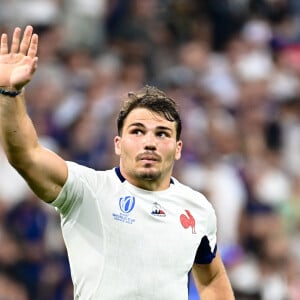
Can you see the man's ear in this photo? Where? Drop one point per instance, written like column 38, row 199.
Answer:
column 178, row 150
column 117, row 141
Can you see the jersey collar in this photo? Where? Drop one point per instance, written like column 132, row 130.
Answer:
column 122, row 178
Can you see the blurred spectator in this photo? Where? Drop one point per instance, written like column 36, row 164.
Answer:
column 11, row 289
column 233, row 67
column 12, row 186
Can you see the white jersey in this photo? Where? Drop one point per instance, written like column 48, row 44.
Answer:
column 127, row 243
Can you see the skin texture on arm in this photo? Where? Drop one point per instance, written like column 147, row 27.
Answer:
column 44, row 171
column 211, row 280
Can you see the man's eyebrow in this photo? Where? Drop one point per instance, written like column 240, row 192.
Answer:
column 164, row 128
column 138, row 124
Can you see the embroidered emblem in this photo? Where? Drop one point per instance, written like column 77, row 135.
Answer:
column 126, row 205
column 157, row 210
column 188, row 221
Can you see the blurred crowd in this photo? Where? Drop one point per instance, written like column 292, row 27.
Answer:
column 234, row 68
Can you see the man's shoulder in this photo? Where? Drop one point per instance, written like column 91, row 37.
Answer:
column 84, row 168
column 83, row 171
column 195, row 196
column 184, row 187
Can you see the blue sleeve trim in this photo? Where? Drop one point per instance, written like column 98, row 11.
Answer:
column 204, row 255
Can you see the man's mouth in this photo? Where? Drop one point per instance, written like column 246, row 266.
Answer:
column 148, row 157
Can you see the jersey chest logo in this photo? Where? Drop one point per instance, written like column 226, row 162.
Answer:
column 157, row 210
column 126, row 205
column 187, row 220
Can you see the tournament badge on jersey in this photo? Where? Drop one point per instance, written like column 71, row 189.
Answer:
column 126, row 205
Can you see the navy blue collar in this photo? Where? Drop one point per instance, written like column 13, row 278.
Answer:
column 122, row 178
column 119, row 174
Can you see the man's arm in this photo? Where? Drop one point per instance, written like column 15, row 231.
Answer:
column 44, row 171
column 211, row 280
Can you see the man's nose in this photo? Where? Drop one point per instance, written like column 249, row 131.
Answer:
column 150, row 141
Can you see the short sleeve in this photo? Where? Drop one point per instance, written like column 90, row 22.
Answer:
column 207, row 249
column 71, row 196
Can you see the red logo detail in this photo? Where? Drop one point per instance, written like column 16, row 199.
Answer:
column 188, row 221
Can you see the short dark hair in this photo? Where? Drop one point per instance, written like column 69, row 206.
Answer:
column 153, row 99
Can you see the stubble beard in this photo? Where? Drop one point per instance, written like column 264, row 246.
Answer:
column 148, row 175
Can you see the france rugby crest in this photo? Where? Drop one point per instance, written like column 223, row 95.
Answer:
column 126, row 205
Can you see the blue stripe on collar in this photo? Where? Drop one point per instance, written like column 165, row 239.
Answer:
column 118, row 172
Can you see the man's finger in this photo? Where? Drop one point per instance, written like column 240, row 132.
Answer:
column 24, row 46
column 3, row 44
column 15, row 40
column 33, row 46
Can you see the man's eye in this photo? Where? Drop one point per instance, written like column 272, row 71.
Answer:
column 137, row 131
column 162, row 134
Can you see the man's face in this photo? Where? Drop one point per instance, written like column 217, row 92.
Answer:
column 147, row 149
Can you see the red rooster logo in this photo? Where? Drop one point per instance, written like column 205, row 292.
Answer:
column 188, row 221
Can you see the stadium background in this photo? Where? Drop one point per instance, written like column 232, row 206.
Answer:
column 234, row 67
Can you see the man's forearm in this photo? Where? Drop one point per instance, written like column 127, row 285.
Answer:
column 18, row 135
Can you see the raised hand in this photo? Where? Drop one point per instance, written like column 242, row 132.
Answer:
column 19, row 62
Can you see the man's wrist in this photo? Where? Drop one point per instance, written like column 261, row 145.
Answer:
column 10, row 92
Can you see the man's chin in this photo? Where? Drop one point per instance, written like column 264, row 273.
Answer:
column 148, row 174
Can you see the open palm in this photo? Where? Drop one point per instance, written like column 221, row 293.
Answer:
column 18, row 64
